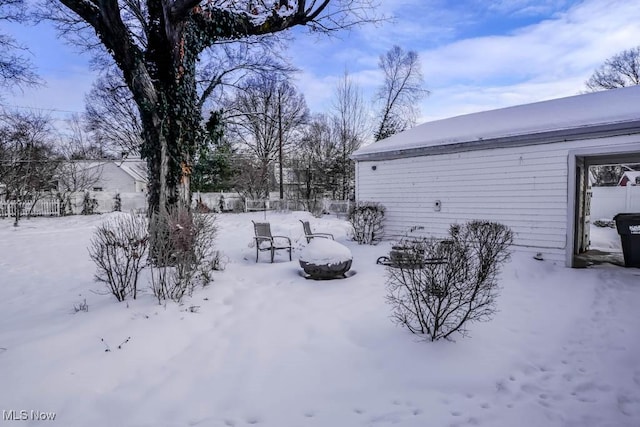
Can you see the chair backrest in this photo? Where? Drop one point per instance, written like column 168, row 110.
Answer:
column 262, row 229
column 307, row 227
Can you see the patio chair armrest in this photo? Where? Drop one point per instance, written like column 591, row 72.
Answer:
column 325, row 235
column 263, row 239
column 284, row 237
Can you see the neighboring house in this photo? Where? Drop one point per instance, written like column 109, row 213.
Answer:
column 122, row 176
column 630, row 178
column 524, row 166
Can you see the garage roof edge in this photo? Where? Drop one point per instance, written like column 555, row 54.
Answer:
column 548, row 137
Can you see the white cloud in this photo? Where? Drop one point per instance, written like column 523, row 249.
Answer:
column 547, row 60
column 456, row 100
column 524, row 7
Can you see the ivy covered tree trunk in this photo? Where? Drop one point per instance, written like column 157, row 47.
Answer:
column 172, row 123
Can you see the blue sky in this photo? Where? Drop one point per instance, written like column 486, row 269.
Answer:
column 476, row 55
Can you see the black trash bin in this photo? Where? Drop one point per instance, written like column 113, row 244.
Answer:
column 628, row 225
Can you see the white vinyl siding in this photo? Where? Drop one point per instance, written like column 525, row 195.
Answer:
column 113, row 178
column 525, row 188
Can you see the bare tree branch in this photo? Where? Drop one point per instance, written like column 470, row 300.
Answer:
column 622, row 69
column 16, row 71
column 401, row 90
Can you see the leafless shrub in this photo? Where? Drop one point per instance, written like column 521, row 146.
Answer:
column 183, row 253
column 118, row 247
column 219, row 261
column 437, row 287
column 89, row 204
column 238, row 206
column 366, row 219
column 83, row 306
column 117, row 203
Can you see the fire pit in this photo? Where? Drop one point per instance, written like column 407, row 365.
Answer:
column 324, row 259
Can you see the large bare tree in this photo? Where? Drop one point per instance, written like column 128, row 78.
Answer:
column 351, row 123
column 400, row 92
column 267, row 113
column 15, row 68
column 157, row 44
column 622, row 69
column 316, row 161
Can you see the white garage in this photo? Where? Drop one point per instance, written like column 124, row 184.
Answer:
column 524, row 166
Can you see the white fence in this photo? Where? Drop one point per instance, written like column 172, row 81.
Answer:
column 235, row 202
column 606, row 202
column 338, row 207
column 230, row 201
column 283, row 205
column 105, row 201
column 42, row 207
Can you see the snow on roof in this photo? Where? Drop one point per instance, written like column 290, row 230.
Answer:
column 576, row 112
column 88, row 164
column 631, row 176
column 135, row 168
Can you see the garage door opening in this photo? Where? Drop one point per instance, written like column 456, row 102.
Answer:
column 605, row 185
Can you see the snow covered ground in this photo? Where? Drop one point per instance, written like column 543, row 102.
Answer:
column 604, row 239
column 263, row 346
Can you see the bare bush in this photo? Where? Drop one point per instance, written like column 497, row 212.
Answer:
column 83, row 306
column 366, row 219
column 183, row 253
column 441, row 285
column 118, row 247
column 89, row 204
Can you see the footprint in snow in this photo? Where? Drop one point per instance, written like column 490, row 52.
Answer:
column 530, row 388
column 636, row 378
column 586, row 392
column 628, row 406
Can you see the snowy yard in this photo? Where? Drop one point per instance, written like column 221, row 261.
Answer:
column 263, row 346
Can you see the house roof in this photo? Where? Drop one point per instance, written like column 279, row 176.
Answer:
column 611, row 112
column 135, row 168
column 88, row 164
column 631, row 176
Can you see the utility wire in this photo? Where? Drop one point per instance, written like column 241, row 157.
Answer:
column 39, row 108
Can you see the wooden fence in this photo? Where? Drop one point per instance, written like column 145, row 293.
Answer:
column 42, row 207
